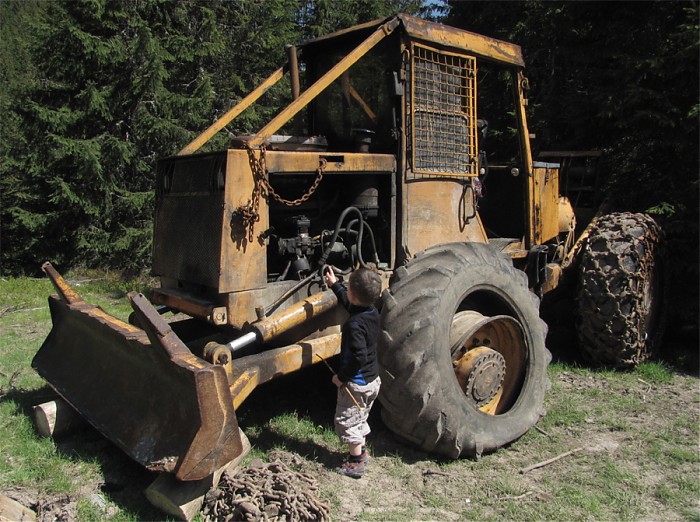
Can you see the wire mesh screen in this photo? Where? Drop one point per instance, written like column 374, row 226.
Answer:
column 443, row 113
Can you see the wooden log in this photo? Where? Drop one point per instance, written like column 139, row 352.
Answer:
column 13, row 511
column 56, row 419
column 184, row 500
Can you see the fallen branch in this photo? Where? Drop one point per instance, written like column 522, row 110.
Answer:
column 550, row 461
column 16, row 309
column 435, row 472
column 649, row 386
column 11, row 382
column 7, row 309
column 542, row 431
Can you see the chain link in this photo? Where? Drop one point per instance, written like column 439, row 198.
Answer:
column 262, row 187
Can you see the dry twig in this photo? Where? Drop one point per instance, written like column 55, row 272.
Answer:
column 542, row 431
column 435, row 472
column 11, row 382
column 550, row 461
column 516, row 497
column 7, row 309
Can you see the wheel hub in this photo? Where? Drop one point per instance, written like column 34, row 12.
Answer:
column 489, row 357
column 480, row 373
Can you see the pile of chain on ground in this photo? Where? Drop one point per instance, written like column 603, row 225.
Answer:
column 265, row 492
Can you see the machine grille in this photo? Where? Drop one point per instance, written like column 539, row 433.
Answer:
column 443, row 113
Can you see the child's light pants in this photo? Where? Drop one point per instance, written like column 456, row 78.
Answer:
column 350, row 422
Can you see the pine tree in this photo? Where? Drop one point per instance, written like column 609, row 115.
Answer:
column 120, row 85
column 17, row 79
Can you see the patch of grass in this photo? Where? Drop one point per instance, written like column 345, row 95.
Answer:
column 683, row 455
column 687, row 423
column 433, row 500
column 616, row 424
column 680, row 489
column 29, row 459
column 567, row 411
column 291, row 425
column 393, row 466
column 89, row 510
column 654, row 372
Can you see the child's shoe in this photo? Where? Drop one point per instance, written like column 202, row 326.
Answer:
column 354, row 467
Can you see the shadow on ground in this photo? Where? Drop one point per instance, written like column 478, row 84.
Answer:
column 312, row 396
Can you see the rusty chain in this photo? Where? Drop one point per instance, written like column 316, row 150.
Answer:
column 262, row 187
column 268, row 492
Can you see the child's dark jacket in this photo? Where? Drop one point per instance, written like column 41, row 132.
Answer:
column 358, row 349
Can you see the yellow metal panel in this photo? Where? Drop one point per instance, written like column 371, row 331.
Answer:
column 519, row 83
column 545, row 203
column 435, row 214
column 490, row 48
column 243, row 386
column 66, row 291
column 240, row 306
column 291, row 162
column 482, row 46
column 243, row 264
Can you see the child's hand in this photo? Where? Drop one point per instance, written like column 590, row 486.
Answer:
column 337, row 381
column 329, row 276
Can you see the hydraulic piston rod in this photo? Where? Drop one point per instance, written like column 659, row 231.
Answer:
column 271, row 327
column 243, row 341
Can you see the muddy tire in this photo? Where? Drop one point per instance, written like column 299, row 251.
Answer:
column 422, row 400
column 621, row 291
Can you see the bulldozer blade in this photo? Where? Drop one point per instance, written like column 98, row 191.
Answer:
column 143, row 390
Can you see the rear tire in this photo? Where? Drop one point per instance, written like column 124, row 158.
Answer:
column 620, row 296
column 421, row 397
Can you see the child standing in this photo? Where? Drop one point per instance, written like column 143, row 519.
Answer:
column 358, row 378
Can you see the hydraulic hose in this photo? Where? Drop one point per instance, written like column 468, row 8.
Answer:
column 336, row 231
column 271, row 308
column 349, row 229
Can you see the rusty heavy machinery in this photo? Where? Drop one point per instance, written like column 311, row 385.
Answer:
column 382, row 160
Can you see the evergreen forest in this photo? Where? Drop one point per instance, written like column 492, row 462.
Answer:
column 93, row 92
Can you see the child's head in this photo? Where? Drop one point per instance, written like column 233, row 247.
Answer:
column 364, row 285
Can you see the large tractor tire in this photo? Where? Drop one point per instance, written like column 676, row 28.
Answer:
column 621, row 291
column 462, row 354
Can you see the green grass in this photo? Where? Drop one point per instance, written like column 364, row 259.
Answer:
column 677, row 491
column 654, row 372
column 291, row 425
